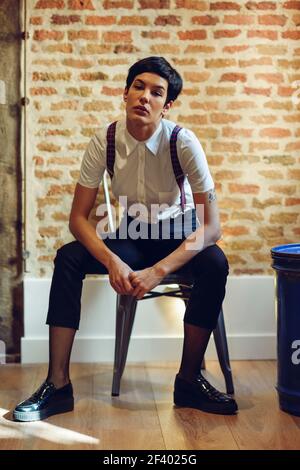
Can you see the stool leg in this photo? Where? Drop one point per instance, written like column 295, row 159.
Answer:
column 125, row 313
column 130, row 308
column 120, row 320
column 222, row 351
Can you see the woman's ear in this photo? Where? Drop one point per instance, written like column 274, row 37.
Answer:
column 125, row 94
column 167, row 107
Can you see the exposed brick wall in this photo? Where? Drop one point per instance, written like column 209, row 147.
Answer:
column 238, row 61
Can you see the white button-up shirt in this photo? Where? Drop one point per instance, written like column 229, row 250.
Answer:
column 143, row 170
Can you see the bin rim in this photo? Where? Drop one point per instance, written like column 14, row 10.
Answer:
column 291, row 250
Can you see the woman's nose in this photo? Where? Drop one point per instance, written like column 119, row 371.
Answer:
column 145, row 96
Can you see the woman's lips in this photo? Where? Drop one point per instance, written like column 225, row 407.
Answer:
column 141, row 110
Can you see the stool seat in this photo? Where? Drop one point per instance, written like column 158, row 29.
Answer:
column 125, row 315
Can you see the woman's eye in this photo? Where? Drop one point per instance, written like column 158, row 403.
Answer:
column 156, row 93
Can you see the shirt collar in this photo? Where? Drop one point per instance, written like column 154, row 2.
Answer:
column 152, row 143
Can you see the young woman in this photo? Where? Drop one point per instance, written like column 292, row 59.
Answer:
column 152, row 162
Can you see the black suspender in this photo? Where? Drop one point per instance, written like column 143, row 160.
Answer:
column 178, row 173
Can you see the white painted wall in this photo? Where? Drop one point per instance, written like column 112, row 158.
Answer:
column 249, row 311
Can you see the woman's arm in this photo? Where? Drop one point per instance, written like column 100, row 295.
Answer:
column 206, row 235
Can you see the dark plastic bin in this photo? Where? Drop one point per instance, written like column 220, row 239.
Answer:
column 286, row 262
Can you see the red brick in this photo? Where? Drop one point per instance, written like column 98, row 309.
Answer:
column 155, row 4
column 224, row 6
column 270, row 77
column 58, row 189
column 220, row 91
column 224, row 118
column 261, row 119
column 292, row 5
column 155, row 35
column 42, row 91
column 100, row 20
column 205, row 20
column 294, row 174
column 115, row 36
column 199, row 49
column 239, row 19
column 43, row 4
column 227, row 175
column 164, row 49
column 49, row 231
column 56, row 174
column 235, row 231
column 80, row 5
column 64, row 48
column 172, row 20
column 291, row 35
column 193, row 119
column 39, row 161
column 261, row 5
column 292, row 201
column 259, row 61
column 285, row 91
column 240, row 105
column 261, row 146
column 226, row 147
column 257, row 91
column 112, row 91
column 236, row 133
column 263, row 204
column 43, row 35
column 76, row 63
column 196, row 76
column 280, row 20
column 244, row 188
column 70, row 19
column 91, row 76
column 213, row 63
column 36, row 20
column 83, row 34
column 134, row 20
column 231, row 203
column 227, row 33
column 192, row 5
column 289, row 190
column 48, row 147
column 233, row 77
column 192, row 35
column 275, row 132
column 234, row 49
column 108, row 4
column 266, row 34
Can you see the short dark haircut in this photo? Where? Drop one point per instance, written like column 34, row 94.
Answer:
column 161, row 67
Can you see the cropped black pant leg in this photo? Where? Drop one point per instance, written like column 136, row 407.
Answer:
column 73, row 261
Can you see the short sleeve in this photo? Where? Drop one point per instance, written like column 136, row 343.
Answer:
column 193, row 161
column 93, row 163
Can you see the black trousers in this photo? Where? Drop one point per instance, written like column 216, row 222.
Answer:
column 73, row 261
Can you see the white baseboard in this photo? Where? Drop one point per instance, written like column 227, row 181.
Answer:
column 158, row 330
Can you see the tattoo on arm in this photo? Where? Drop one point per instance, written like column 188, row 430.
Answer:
column 212, row 195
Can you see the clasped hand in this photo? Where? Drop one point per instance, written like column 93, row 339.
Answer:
column 126, row 281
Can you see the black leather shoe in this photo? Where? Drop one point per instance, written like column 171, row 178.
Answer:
column 202, row 395
column 46, row 401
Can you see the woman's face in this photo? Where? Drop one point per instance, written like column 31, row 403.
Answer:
column 146, row 97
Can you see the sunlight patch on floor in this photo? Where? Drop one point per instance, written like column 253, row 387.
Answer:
column 42, row 430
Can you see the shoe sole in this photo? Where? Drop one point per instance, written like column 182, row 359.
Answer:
column 205, row 407
column 62, row 407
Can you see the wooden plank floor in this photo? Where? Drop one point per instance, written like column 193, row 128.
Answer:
column 143, row 417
